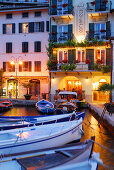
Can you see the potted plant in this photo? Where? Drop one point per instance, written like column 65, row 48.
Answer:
column 76, row 61
column 64, row 61
column 27, row 86
column 64, row 5
column 105, row 1
column 99, row 61
column 93, row 3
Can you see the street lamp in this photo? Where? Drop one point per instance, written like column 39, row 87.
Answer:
column 16, row 61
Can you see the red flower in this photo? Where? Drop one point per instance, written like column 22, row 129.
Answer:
column 102, row 31
column 88, row 61
column 54, row 61
column 64, row 5
column 105, row 1
column 93, row 3
column 64, row 61
column 99, row 61
column 53, row 6
column 76, row 61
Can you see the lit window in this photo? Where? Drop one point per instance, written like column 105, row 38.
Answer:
column 9, row 28
column 100, row 55
column 25, row 27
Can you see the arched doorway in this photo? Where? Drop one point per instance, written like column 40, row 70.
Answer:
column 35, row 89
column 71, row 83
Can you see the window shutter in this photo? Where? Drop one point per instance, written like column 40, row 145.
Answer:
column 70, row 31
column 69, row 6
column 54, row 33
column 47, row 26
column 71, row 55
column 54, row 54
column 8, row 47
column 54, row 10
column 4, row 28
column 4, row 66
column 13, row 28
column 20, row 67
column 108, row 32
column 97, row 5
column 30, row 66
column 91, row 31
column 42, row 26
column 90, row 55
column 31, row 27
column 37, row 65
column 37, row 46
column 108, row 56
column 24, row 47
column 20, row 27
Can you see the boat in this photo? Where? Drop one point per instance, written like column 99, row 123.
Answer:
column 67, row 96
column 5, row 105
column 39, row 137
column 45, row 106
column 56, row 157
column 66, row 107
column 6, row 123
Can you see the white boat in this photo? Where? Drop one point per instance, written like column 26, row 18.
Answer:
column 6, row 124
column 39, row 137
column 54, row 158
column 45, row 106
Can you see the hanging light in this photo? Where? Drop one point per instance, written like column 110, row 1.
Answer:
column 69, row 82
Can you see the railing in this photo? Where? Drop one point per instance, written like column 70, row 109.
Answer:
column 103, row 6
column 25, row 1
column 102, row 34
column 60, row 37
column 61, row 10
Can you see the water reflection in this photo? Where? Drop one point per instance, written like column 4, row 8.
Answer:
column 90, row 126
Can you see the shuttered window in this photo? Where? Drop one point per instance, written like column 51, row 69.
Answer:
column 8, row 16
column 39, row 26
column 8, row 47
column 24, row 47
column 47, row 26
column 37, row 66
column 37, row 46
column 37, row 14
column 8, row 28
column 25, row 15
column 26, row 66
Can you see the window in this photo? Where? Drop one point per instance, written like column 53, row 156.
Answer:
column 8, row 16
column 25, row 27
column 25, row 15
column 37, row 14
column 37, row 46
column 100, row 30
column 8, row 28
column 37, row 66
column 9, row 47
column 39, row 26
column 63, row 56
column 62, row 33
column 24, row 47
column 26, row 66
column 100, row 55
column 80, row 55
column 47, row 26
column 7, row 66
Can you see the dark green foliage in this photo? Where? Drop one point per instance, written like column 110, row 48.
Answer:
column 67, row 67
column 106, row 87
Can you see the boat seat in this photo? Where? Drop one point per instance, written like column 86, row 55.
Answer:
column 65, row 153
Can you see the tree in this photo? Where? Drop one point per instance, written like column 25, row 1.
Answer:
column 27, row 86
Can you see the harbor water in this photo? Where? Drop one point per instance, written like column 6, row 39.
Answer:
column 90, row 127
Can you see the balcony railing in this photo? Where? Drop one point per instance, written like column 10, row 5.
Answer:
column 25, row 1
column 103, row 34
column 61, row 10
column 60, row 37
column 95, row 7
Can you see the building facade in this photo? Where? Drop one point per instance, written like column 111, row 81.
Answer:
column 24, row 36
column 89, row 27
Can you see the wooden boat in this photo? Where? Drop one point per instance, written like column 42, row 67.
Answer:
column 67, row 107
column 5, row 105
column 65, row 96
column 6, row 124
column 45, row 106
column 56, row 157
column 39, row 137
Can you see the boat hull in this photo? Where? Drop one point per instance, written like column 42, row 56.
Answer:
column 23, row 144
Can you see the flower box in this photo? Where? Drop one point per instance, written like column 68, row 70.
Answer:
column 87, row 61
column 76, row 61
column 102, row 31
column 99, row 61
column 65, row 5
column 64, row 61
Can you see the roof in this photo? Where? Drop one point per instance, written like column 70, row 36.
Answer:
column 67, row 92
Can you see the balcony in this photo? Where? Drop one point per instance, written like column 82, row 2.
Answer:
column 60, row 37
column 102, row 34
column 102, row 7
column 61, row 11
